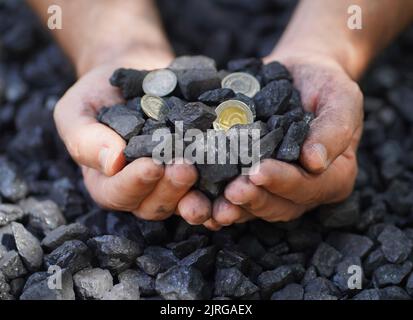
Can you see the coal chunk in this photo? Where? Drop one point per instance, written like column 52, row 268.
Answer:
column 368, row 294
column 409, row 284
column 292, row 291
column 123, row 225
column 16, row 287
column 216, row 96
column 326, row 259
column 250, row 65
column 125, row 122
column 115, row 253
column 273, row 99
column 251, row 246
column 73, row 255
column 123, row 291
column 293, row 140
column 274, row 71
column 181, row 283
column 129, row 81
column 44, row 216
column 270, row 281
column 184, row 248
column 394, row 293
column 344, row 271
column 5, row 290
column 318, row 296
column 41, row 290
column 229, row 258
column 391, row 274
column 349, row 244
column 194, row 82
column 92, row 283
column 95, row 221
column 198, row 62
column 156, row 260
column 220, row 171
column 374, row 260
column 201, row 259
column 268, row 144
column 9, row 213
column 73, row 231
column 194, row 115
column 154, row 232
column 12, row 186
column 140, row 146
column 319, row 287
column 301, row 239
column 340, row 215
column 11, row 266
column 395, row 245
column 28, row 247
column 139, row 279
column 232, row 283
column 152, row 125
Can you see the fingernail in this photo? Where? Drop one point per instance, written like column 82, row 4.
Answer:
column 103, row 158
column 321, row 152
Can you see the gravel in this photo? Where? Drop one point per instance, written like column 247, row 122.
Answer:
column 43, row 197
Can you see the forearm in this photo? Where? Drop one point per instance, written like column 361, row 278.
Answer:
column 320, row 27
column 95, row 32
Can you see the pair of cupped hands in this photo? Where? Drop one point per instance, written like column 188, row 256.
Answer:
column 276, row 191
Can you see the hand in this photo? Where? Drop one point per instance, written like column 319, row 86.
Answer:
column 278, row 191
column 148, row 190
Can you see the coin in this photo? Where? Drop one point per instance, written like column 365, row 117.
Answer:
column 159, row 83
column 230, row 113
column 241, row 82
column 154, row 107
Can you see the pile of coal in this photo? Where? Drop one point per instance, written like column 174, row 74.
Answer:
column 192, row 94
column 47, row 218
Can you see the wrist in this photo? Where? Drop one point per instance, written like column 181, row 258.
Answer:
column 341, row 53
column 132, row 55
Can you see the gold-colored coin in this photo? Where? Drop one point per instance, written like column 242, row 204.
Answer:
column 154, row 107
column 231, row 113
column 242, row 82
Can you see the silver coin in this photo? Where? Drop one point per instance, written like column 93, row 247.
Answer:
column 159, row 83
column 154, row 107
column 241, row 82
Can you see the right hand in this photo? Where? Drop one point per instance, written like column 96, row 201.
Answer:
column 150, row 191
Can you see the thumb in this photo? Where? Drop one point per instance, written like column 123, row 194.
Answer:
column 339, row 115
column 96, row 146
column 90, row 143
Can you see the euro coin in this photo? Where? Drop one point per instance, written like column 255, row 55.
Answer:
column 231, row 113
column 241, row 82
column 154, row 107
column 159, row 83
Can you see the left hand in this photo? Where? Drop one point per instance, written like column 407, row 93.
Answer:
column 280, row 191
